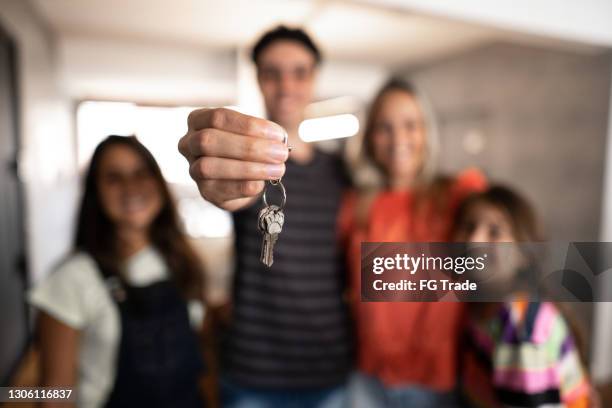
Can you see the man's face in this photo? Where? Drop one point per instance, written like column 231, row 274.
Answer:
column 286, row 72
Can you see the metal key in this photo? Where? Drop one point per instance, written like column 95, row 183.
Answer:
column 271, row 221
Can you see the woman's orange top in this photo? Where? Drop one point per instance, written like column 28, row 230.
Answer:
column 405, row 343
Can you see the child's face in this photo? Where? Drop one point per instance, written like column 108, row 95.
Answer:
column 484, row 223
column 398, row 136
column 129, row 193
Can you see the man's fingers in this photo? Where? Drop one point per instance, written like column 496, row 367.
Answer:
column 235, row 122
column 230, row 155
column 211, row 168
column 223, row 192
column 183, row 147
column 218, row 143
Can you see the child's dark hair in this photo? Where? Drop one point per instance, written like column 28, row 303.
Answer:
column 284, row 33
column 518, row 210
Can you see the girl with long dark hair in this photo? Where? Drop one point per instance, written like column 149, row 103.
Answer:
column 116, row 317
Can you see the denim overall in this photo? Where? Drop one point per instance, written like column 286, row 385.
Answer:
column 159, row 360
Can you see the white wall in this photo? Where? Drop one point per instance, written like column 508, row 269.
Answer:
column 585, row 21
column 136, row 70
column 340, row 78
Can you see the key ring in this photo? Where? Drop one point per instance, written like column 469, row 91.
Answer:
column 278, row 182
column 282, row 187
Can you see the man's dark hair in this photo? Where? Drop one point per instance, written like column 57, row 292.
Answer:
column 283, row 33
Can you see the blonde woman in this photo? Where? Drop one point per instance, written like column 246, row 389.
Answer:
column 406, row 352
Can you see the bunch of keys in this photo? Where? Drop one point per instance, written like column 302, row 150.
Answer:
column 270, row 223
column 271, row 219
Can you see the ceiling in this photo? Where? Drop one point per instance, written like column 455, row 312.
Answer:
column 346, row 30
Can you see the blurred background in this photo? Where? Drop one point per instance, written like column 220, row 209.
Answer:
column 520, row 90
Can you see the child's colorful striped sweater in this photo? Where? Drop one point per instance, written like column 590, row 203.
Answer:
column 525, row 356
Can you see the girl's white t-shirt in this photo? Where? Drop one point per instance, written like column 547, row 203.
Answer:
column 76, row 295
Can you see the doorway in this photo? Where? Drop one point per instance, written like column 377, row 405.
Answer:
column 13, row 310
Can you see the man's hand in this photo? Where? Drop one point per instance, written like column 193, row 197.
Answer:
column 231, row 155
